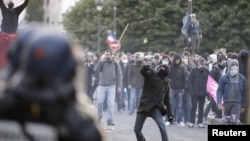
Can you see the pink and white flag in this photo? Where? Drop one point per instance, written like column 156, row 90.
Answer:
column 212, row 87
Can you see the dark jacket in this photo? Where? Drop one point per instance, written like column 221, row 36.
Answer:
column 197, row 81
column 193, row 29
column 135, row 79
column 216, row 73
column 242, row 59
column 124, row 69
column 155, row 93
column 177, row 74
column 10, row 16
column 223, row 91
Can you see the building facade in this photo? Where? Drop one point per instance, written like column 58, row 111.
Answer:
column 54, row 10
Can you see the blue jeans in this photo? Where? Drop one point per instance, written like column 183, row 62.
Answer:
column 232, row 112
column 120, row 100
column 110, row 91
column 157, row 116
column 135, row 95
column 186, row 107
column 176, row 101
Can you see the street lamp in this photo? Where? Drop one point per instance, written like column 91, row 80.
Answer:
column 99, row 4
column 114, row 18
column 189, row 7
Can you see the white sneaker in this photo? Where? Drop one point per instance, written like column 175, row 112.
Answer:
column 201, row 125
column 182, row 124
column 167, row 123
column 190, row 125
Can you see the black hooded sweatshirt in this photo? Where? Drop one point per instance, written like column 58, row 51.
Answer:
column 177, row 74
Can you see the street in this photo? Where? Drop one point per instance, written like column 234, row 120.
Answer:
column 124, row 130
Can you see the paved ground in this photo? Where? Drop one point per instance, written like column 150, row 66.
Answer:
column 124, row 130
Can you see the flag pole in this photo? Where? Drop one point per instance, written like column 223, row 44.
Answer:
column 125, row 29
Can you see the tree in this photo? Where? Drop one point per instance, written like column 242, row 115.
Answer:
column 160, row 23
column 225, row 23
column 35, row 11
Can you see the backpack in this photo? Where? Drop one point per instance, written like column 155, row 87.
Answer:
column 185, row 21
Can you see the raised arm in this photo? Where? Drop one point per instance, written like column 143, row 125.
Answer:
column 146, row 71
column 2, row 5
column 20, row 8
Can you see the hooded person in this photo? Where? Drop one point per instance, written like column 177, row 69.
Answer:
column 197, row 87
column 231, row 93
column 201, row 63
column 155, row 101
column 242, row 58
column 135, row 82
column 177, row 75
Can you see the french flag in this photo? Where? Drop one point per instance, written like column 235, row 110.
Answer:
column 110, row 38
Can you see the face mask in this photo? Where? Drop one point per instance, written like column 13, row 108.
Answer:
column 124, row 61
column 233, row 71
column 201, row 64
column 165, row 62
column 222, row 66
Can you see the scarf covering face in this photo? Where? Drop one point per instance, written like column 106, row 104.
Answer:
column 201, row 62
column 233, row 70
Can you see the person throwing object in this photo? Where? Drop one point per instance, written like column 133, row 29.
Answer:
column 155, row 101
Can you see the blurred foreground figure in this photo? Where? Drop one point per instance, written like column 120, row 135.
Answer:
column 40, row 96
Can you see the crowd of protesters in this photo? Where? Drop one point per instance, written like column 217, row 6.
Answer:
column 188, row 82
column 117, row 81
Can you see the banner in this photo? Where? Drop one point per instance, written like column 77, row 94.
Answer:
column 212, row 87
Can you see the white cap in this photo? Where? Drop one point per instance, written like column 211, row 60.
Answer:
column 192, row 15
